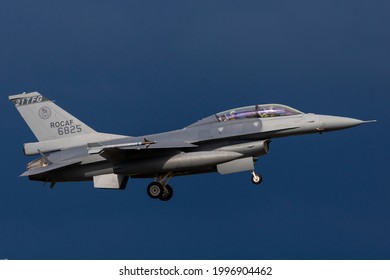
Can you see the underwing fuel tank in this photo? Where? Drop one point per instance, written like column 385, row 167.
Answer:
column 193, row 160
column 177, row 162
column 257, row 148
column 198, row 159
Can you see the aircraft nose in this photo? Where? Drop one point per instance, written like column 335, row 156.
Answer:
column 335, row 123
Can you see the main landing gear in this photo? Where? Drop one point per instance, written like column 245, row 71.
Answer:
column 256, row 178
column 160, row 188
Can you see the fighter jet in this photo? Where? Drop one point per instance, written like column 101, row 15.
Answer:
column 227, row 142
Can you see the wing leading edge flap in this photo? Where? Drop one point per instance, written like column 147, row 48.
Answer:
column 50, row 167
column 97, row 148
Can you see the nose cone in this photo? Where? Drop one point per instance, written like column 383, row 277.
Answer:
column 330, row 123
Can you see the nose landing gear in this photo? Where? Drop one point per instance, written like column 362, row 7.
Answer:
column 256, row 178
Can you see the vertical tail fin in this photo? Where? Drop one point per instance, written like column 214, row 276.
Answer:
column 47, row 120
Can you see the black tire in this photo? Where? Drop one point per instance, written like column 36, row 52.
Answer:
column 257, row 179
column 155, row 190
column 167, row 193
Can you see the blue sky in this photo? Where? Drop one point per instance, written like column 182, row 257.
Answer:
column 139, row 67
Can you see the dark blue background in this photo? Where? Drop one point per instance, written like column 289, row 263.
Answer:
column 139, row 67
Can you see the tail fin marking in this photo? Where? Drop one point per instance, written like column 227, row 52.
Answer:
column 47, row 120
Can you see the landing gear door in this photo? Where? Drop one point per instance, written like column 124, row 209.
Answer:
column 234, row 166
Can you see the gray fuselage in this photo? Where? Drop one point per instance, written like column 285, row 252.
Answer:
column 212, row 142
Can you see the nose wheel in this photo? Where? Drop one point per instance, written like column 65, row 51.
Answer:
column 256, row 178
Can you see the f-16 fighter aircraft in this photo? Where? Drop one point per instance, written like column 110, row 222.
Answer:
column 226, row 142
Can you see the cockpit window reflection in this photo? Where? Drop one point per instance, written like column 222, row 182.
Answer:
column 258, row 111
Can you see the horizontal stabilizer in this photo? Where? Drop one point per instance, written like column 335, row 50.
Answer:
column 49, row 167
column 37, row 148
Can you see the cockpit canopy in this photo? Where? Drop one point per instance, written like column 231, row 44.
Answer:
column 257, row 111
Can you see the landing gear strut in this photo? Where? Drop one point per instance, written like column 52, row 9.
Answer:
column 160, row 188
column 256, row 178
column 167, row 193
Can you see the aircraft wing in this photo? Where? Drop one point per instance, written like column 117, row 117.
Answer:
column 50, row 167
column 136, row 148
